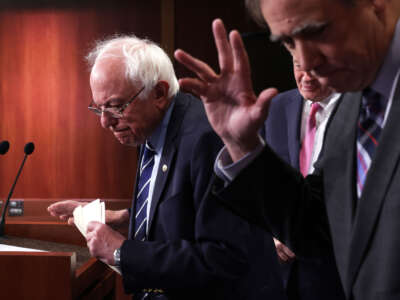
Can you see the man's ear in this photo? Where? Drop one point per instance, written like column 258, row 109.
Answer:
column 160, row 95
column 379, row 7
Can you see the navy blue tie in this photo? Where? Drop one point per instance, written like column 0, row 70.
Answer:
column 142, row 196
column 369, row 129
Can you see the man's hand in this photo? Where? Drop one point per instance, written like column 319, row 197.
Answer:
column 118, row 220
column 234, row 111
column 64, row 210
column 102, row 241
column 284, row 253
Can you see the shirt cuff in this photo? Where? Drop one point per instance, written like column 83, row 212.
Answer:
column 228, row 170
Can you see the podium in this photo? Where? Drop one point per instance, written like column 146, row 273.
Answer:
column 66, row 271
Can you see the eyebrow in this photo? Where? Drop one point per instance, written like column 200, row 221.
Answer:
column 117, row 101
column 299, row 30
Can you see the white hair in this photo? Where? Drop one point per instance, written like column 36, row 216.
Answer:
column 145, row 62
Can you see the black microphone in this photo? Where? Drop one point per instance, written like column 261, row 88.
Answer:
column 29, row 147
column 4, row 146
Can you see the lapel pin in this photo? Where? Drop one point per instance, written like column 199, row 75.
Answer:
column 164, row 168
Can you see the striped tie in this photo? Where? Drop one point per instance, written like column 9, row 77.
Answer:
column 369, row 130
column 142, row 197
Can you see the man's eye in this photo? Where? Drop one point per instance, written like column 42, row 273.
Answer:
column 315, row 32
column 288, row 43
column 113, row 105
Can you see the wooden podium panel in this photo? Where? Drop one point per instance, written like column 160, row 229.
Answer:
column 55, row 274
column 34, row 275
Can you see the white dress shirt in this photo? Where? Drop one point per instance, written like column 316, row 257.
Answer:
column 322, row 118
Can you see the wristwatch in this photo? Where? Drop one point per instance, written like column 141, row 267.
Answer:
column 117, row 257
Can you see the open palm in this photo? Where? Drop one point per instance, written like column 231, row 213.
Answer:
column 234, row 111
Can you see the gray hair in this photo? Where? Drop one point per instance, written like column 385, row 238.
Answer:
column 145, row 62
column 254, row 9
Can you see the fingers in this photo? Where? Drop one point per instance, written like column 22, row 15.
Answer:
column 268, row 94
column 288, row 252
column 92, row 226
column 200, row 68
column 224, row 49
column 64, row 217
column 262, row 104
column 194, row 86
column 53, row 209
column 284, row 253
column 282, row 256
column 240, row 57
column 63, row 208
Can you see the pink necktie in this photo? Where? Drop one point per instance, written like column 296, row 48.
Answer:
column 308, row 141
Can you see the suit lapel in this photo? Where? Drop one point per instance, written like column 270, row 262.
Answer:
column 293, row 117
column 338, row 174
column 376, row 187
column 168, row 156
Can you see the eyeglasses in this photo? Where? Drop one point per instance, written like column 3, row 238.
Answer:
column 116, row 112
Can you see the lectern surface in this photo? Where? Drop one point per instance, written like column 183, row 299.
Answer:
column 82, row 253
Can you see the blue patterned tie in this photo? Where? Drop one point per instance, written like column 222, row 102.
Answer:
column 369, row 129
column 142, row 196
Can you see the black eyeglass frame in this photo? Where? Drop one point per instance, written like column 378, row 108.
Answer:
column 115, row 111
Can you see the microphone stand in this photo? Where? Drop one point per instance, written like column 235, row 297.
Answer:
column 3, row 216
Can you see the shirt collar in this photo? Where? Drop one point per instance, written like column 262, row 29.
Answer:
column 391, row 64
column 324, row 103
column 157, row 138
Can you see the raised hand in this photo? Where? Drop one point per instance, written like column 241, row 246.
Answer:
column 233, row 109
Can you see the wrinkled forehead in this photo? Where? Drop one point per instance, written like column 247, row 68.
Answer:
column 286, row 17
column 108, row 80
column 108, row 74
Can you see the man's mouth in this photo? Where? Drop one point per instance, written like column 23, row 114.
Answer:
column 309, row 87
column 116, row 130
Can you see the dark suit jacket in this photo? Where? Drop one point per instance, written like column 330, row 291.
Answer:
column 308, row 278
column 196, row 249
column 310, row 213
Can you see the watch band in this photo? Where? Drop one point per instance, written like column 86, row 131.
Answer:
column 117, row 257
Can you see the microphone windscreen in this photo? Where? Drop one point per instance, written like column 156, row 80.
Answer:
column 29, row 147
column 4, row 146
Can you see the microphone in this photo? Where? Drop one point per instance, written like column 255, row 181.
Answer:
column 4, row 146
column 28, row 149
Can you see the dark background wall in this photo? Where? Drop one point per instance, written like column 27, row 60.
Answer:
column 44, row 91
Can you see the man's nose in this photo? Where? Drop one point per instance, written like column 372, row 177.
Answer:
column 307, row 76
column 307, row 54
column 107, row 120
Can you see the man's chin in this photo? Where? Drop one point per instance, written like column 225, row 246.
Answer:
column 309, row 95
column 127, row 141
column 343, row 82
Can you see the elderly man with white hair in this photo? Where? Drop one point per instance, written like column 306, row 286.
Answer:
column 180, row 245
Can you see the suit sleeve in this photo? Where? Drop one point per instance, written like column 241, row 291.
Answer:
column 215, row 256
column 275, row 196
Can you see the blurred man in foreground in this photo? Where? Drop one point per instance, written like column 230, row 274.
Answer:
column 351, row 201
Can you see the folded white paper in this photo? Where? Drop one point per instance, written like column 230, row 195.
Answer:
column 15, row 248
column 94, row 211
